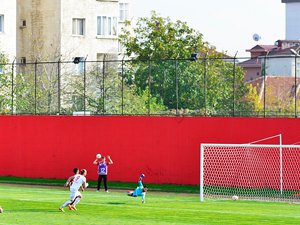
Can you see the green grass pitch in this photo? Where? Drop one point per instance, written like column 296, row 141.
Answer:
column 39, row 205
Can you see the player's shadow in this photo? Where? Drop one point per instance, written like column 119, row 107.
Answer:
column 115, row 203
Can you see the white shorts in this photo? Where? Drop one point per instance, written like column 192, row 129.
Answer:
column 74, row 193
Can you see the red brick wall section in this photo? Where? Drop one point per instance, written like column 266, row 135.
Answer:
column 166, row 149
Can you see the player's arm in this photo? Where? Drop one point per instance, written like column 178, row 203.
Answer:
column 68, row 181
column 109, row 160
column 84, row 186
column 95, row 161
column 140, row 184
column 140, row 179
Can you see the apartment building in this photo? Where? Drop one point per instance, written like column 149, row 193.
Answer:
column 50, row 30
column 66, row 30
column 8, row 28
column 292, row 19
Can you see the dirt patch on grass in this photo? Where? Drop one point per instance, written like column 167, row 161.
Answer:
column 93, row 189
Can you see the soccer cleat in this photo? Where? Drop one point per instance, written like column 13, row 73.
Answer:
column 61, row 209
column 107, row 191
column 73, row 207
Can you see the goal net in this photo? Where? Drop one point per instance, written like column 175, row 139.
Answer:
column 250, row 171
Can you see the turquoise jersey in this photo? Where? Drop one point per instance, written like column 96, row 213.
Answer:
column 139, row 191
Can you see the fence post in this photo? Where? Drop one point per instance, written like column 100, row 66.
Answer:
column 84, row 85
column 12, row 87
column 205, row 84
column 103, row 84
column 296, row 87
column 233, row 83
column 149, row 83
column 177, row 88
column 58, row 86
column 264, row 74
column 122, row 85
column 35, row 86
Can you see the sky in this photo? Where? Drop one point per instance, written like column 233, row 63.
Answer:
column 228, row 25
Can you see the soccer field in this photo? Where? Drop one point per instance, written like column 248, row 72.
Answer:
column 39, row 205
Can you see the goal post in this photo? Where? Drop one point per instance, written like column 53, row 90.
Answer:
column 250, row 171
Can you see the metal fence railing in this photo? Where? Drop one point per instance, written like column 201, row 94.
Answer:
column 202, row 87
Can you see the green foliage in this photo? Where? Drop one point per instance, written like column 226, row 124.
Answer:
column 35, row 89
column 108, row 94
column 254, row 104
column 160, row 38
column 9, row 90
column 212, row 85
column 279, row 106
column 5, row 86
column 5, row 96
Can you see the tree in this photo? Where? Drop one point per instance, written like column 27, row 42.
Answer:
column 105, row 93
column 162, row 63
column 160, row 38
column 5, row 97
column 12, row 88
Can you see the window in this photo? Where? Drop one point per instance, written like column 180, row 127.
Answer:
column 78, row 27
column 23, row 60
column 106, row 26
column 22, row 23
column 1, row 23
column 124, row 12
column 79, row 65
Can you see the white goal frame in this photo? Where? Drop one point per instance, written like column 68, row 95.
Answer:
column 280, row 147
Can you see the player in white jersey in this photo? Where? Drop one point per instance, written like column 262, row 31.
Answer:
column 79, row 181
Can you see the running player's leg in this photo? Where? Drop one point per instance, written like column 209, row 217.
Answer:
column 72, row 197
column 76, row 200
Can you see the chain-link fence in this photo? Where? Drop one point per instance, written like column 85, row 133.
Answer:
column 208, row 86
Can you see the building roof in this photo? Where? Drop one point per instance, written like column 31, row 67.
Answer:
column 289, row 1
column 285, row 51
column 262, row 48
column 254, row 62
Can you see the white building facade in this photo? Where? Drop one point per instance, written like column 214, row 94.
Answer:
column 8, row 28
column 59, row 31
column 292, row 19
column 283, row 66
column 64, row 29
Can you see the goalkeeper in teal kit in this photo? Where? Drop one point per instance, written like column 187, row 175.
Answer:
column 140, row 190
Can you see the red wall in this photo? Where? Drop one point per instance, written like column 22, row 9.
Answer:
column 166, row 149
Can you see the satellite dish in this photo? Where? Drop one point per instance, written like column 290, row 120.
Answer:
column 256, row 37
